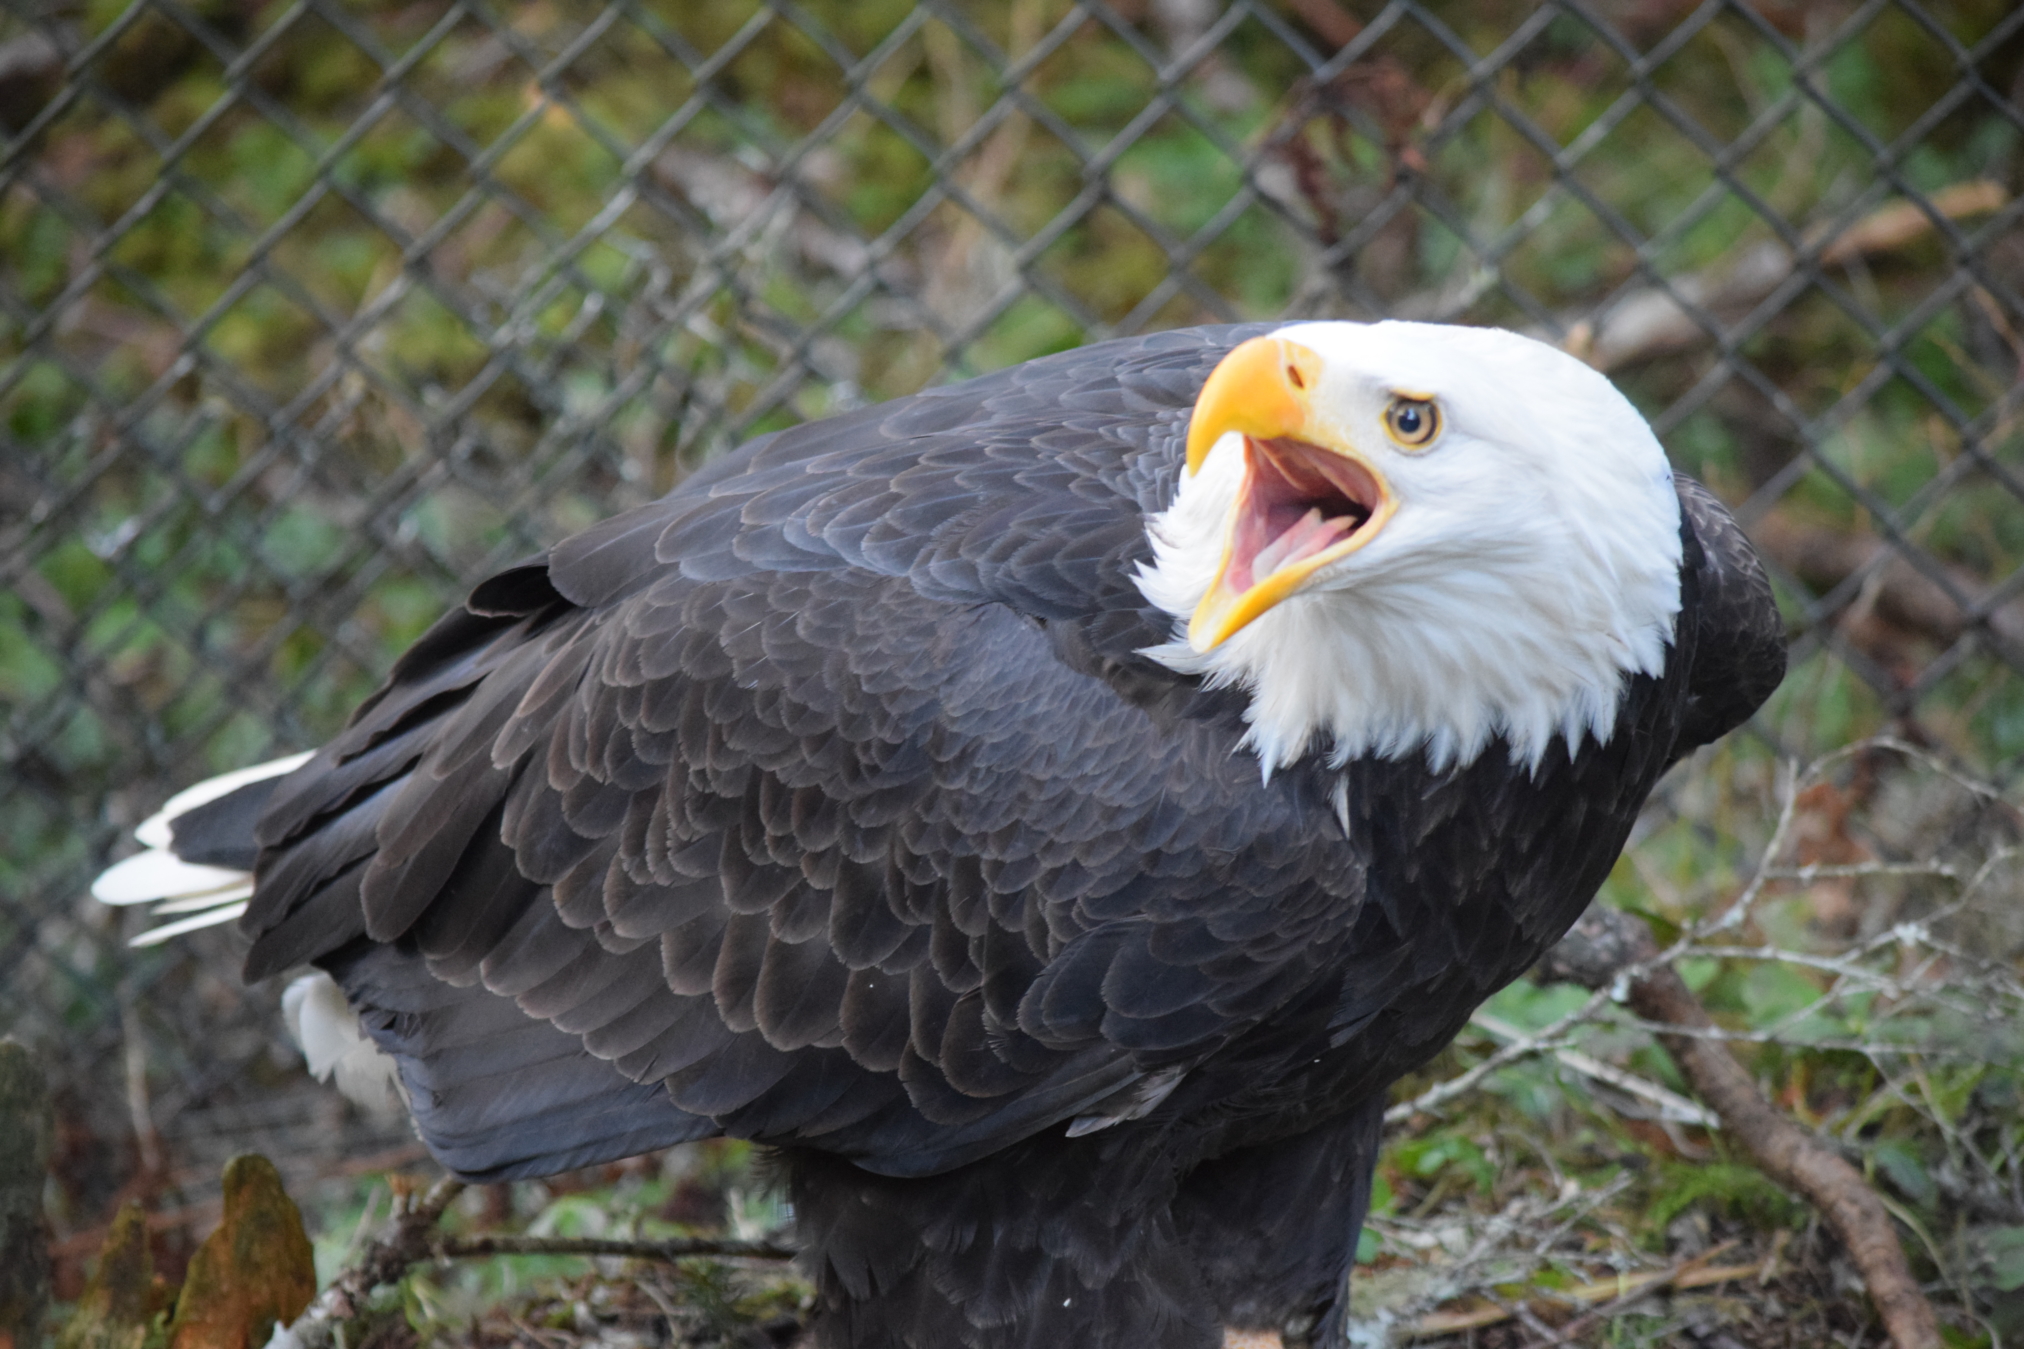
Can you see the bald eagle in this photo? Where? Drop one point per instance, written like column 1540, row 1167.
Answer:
column 1048, row 811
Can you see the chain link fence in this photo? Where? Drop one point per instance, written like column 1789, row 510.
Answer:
column 313, row 311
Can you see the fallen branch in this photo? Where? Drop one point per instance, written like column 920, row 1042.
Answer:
column 1894, row 592
column 1611, row 1294
column 1332, row 23
column 1606, row 944
column 1655, row 321
column 410, row 1238
column 669, row 1249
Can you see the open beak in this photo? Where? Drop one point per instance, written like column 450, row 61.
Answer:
column 1307, row 499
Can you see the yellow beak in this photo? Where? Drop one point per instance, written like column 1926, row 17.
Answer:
column 1264, row 390
column 1261, row 389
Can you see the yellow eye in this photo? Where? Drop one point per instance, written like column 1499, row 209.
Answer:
column 1413, row 422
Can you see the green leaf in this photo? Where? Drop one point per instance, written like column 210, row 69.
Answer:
column 1772, row 991
column 1906, row 1173
column 1664, row 930
column 2005, row 1247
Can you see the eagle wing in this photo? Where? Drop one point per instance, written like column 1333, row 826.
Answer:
column 829, row 794
column 1739, row 638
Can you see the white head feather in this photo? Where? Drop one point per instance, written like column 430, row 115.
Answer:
column 1532, row 563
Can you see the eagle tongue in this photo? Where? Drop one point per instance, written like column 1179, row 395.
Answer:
column 1305, row 537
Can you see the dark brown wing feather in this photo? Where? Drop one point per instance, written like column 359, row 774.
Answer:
column 1739, row 637
column 830, row 791
column 828, row 802
column 831, row 797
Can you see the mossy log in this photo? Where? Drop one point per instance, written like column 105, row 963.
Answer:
column 27, row 1132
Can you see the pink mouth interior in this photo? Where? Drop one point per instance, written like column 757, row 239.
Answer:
column 1299, row 501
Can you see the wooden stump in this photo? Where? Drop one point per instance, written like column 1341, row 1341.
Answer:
column 124, row 1300
column 27, row 1132
column 255, row 1270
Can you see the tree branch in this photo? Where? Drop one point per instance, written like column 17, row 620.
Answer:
column 410, row 1237
column 403, row 1242
column 1606, row 942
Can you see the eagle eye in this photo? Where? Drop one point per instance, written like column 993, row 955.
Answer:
column 1413, row 422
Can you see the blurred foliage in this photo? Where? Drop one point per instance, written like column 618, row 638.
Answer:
column 311, row 313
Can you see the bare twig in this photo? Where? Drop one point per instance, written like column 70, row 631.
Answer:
column 147, row 1138
column 1669, row 1104
column 1540, row 1041
column 1602, row 946
column 404, row 1241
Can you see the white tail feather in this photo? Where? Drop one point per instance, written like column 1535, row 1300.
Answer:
column 156, row 935
column 210, row 895
column 320, row 1020
column 159, row 874
column 154, row 831
column 194, row 903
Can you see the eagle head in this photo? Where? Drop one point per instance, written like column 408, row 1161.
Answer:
column 1406, row 538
